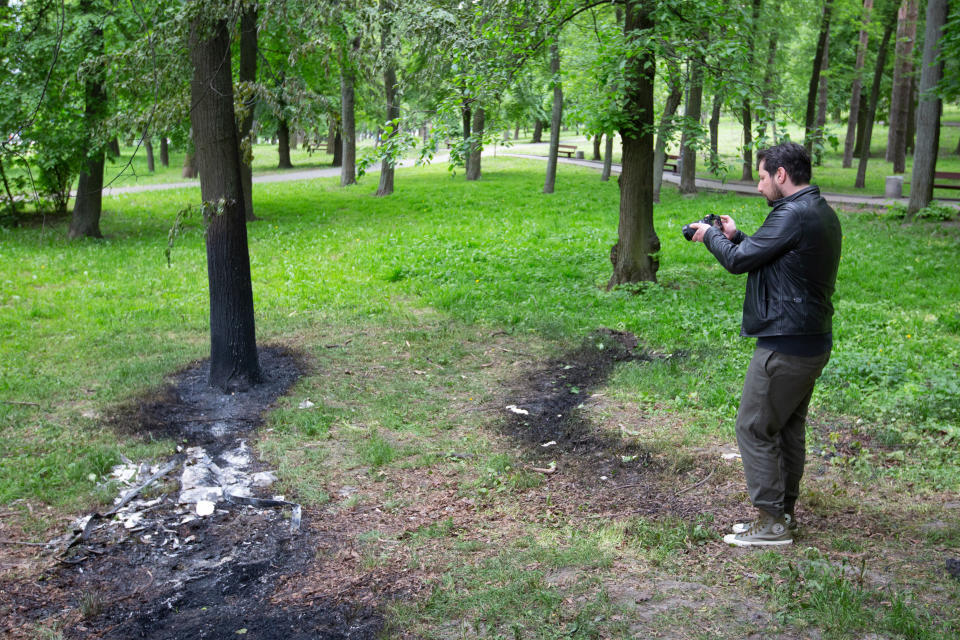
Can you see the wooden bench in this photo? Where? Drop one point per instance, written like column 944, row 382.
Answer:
column 946, row 175
column 568, row 149
column 671, row 162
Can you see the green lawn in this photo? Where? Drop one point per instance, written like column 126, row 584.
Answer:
column 441, row 295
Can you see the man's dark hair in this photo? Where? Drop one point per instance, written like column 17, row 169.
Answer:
column 791, row 156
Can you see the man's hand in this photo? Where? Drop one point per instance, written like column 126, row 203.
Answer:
column 729, row 227
column 701, row 231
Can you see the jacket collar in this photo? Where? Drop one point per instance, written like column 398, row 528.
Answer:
column 807, row 190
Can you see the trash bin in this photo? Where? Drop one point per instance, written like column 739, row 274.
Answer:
column 579, row 155
column 893, row 187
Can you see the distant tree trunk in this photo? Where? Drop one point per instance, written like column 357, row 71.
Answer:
column 766, row 100
column 164, row 151
column 900, row 98
column 189, row 165
column 113, row 146
column 912, row 115
column 393, row 114
column 466, row 121
column 675, row 86
column 331, row 135
column 596, row 147
column 808, row 127
column 556, row 116
column 88, row 204
column 821, row 121
column 634, row 254
column 283, row 144
column 337, row 148
column 889, row 25
column 714, row 126
column 148, row 148
column 293, row 141
column 247, row 75
column 853, row 121
column 234, row 364
column 537, row 131
column 607, row 158
column 688, row 149
column 476, row 147
column 747, row 172
column 348, row 171
column 928, row 111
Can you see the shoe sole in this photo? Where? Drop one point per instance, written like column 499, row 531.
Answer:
column 731, row 538
column 741, row 527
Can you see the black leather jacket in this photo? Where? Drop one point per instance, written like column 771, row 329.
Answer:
column 792, row 263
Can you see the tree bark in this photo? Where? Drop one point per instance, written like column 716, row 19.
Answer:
column 466, row 120
column 283, row 144
column 331, row 135
column 608, row 158
column 234, row 364
column 634, row 255
column 900, row 99
column 537, row 131
column 385, row 187
column 113, row 146
column 675, row 86
column 808, row 127
column 861, row 125
column 688, row 148
column 189, row 166
column 337, row 148
column 476, row 144
column 597, row 139
column 247, row 75
column 148, row 148
column 821, row 120
column 928, row 111
column 769, row 111
column 849, row 141
column 88, row 205
column 747, row 172
column 912, row 115
column 348, row 170
column 714, row 126
column 164, row 151
column 556, row 115
column 889, row 25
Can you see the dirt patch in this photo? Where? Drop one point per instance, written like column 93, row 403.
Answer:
column 163, row 569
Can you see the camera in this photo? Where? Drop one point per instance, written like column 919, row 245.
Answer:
column 711, row 219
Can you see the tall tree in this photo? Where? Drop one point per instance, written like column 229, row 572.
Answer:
column 164, row 150
column 900, row 98
column 556, row 116
column 634, row 256
column 385, row 187
column 608, row 158
column 473, row 170
column 665, row 129
column 688, row 142
column 247, row 76
column 889, row 23
column 928, row 112
column 820, row 122
column 809, row 133
column 88, row 204
column 848, row 142
column 348, row 75
column 747, row 172
column 234, row 364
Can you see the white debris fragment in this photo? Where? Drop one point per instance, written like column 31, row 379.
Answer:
column 515, row 409
column 549, row 444
column 125, row 472
column 131, row 519
column 306, row 404
column 730, row 456
column 205, row 508
column 264, row 478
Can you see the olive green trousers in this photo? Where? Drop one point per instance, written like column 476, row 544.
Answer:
column 771, row 426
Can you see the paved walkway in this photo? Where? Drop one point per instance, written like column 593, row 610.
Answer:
column 740, row 187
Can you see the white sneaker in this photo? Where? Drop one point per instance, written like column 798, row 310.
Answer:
column 764, row 531
column 792, row 525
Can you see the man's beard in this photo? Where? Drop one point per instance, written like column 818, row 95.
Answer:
column 777, row 192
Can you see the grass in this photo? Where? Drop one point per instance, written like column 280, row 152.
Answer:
column 417, row 309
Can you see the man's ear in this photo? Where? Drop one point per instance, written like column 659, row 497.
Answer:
column 781, row 175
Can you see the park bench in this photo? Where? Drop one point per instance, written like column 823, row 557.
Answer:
column 568, row 149
column 945, row 175
column 671, row 162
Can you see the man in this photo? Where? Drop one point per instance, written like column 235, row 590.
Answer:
column 792, row 264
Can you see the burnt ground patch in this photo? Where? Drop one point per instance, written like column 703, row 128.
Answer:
column 162, row 571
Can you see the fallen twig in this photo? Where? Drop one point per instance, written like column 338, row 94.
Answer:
column 547, row 470
column 692, row 487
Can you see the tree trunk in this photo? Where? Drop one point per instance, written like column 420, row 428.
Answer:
column 769, row 114
column 88, row 204
column 596, row 147
column 607, row 158
column 466, row 118
column 808, row 127
column 233, row 348
column 348, row 170
column 747, row 172
column 675, row 86
column 148, row 148
column 393, row 114
column 476, row 144
column 283, row 144
column 889, row 25
column 900, row 99
column 331, row 137
column 714, row 126
column 634, row 254
column 114, row 147
column 912, row 115
column 337, row 148
column 189, row 166
column 854, row 119
column 556, row 115
column 164, row 151
column 688, row 148
column 928, row 111
column 537, row 131
column 516, row 132
column 821, row 120
column 247, row 75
